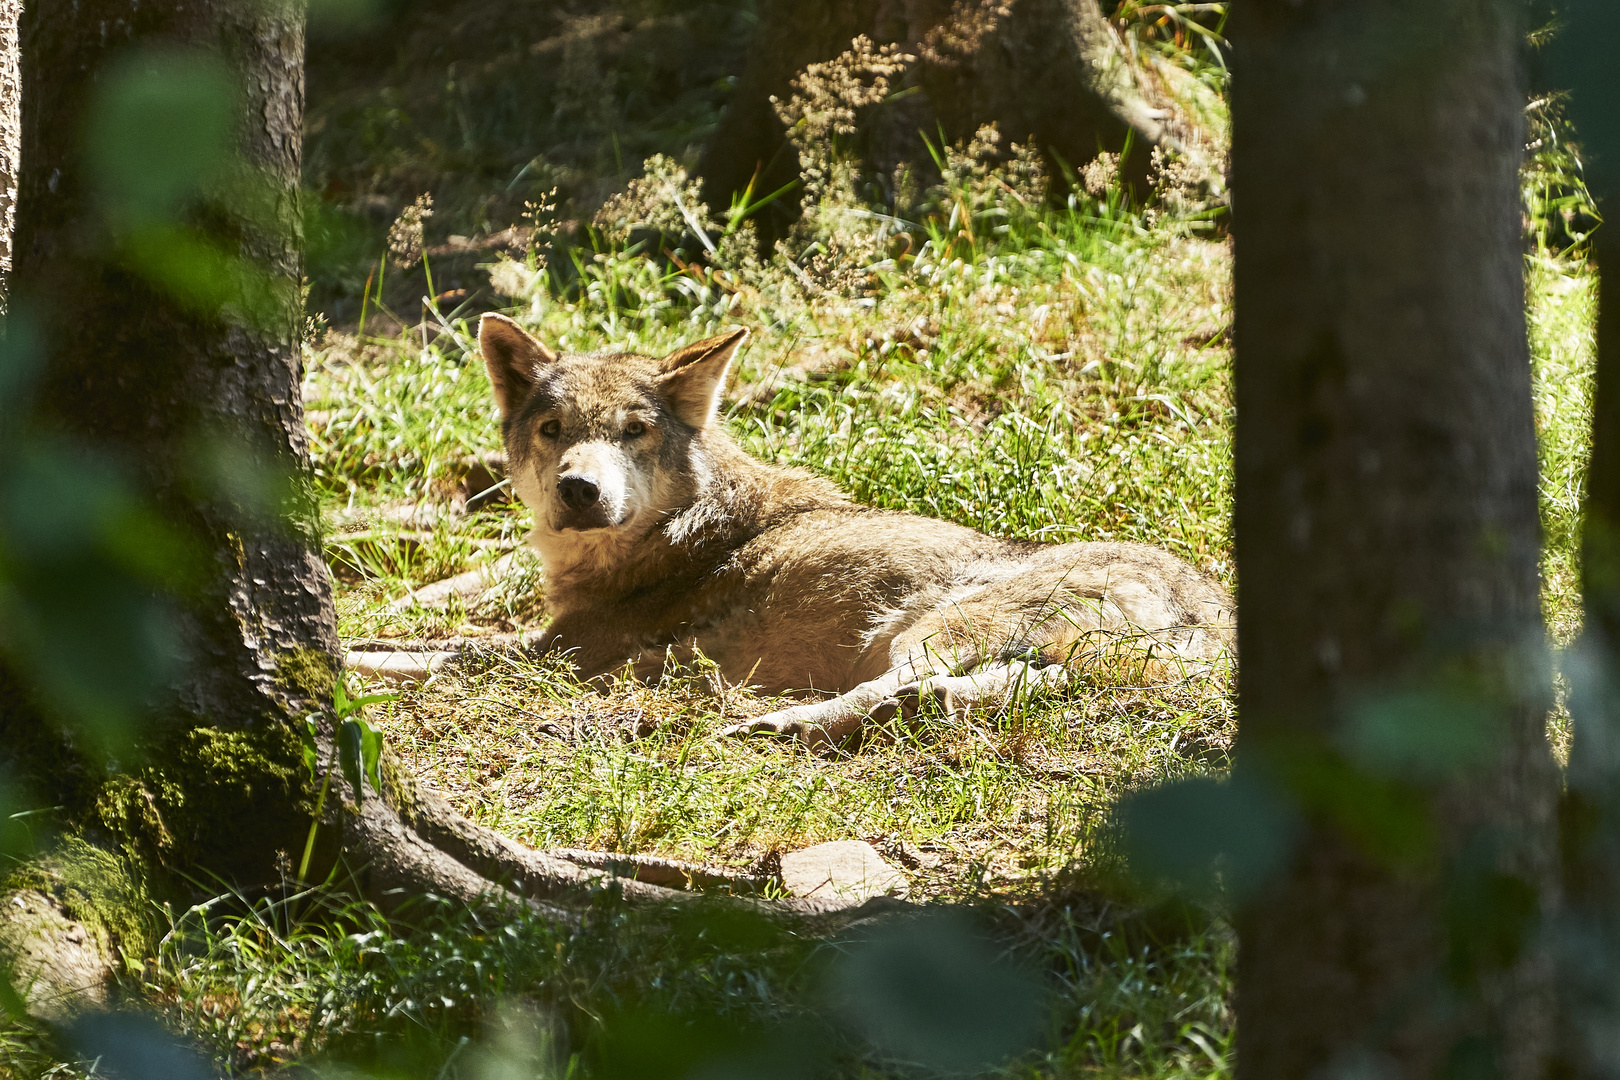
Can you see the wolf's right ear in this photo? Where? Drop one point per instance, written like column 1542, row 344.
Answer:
column 694, row 377
column 513, row 359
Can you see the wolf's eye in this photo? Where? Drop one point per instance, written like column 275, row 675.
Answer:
column 635, row 429
column 551, row 428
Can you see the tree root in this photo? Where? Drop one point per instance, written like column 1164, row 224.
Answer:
column 415, row 842
column 671, row 872
column 395, row 863
column 398, row 666
column 496, row 857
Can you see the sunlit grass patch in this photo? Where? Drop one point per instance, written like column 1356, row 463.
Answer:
column 1562, row 319
column 1003, row 799
column 1065, row 378
column 1561, row 308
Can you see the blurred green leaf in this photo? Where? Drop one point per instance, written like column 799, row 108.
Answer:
column 1201, row 835
column 135, row 1046
column 87, row 573
column 933, row 990
column 1490, row 913
column 161, row 129
column 1389, row 818
column 160, row 143
column 201, row 275
column 21, row 360
column 646, row 1043
column 1424, row 735
column 223, row 468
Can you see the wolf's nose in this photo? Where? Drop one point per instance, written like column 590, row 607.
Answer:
column 578, row 492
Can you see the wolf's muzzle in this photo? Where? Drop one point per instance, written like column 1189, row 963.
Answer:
column 582, row 504
column 578, row 492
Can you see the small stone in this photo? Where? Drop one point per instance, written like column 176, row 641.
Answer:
column 841, row 873
column 56, row 964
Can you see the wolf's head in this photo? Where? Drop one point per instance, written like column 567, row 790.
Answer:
column 600, row 447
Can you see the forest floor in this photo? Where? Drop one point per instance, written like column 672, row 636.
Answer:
column 1072, row 390
column 1065, row 376
column 1030, row 369
column 1055, row 374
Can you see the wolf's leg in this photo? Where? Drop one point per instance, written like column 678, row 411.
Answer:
column 959, row 694
column 900, row 692
column 818, row 723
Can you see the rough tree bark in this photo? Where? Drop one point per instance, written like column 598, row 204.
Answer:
column 10, row 88
column 1387, row 540
column 1047, row 71
column 146, row 377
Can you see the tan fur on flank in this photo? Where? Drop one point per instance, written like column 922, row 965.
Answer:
column 658, row 532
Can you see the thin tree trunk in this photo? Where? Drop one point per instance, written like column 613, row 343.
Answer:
column 1387, row 537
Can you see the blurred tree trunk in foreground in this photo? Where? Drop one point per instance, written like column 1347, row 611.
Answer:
column 131, row 258
column 166, row 619
column 1392, row 677
column 1581, row 59
column 1049, row 72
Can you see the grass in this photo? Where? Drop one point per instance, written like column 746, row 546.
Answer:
column 1055, row 373
column 1001, row 803
column 1065, row 382
column 1068, row 381
column 1063, row 377
column 266, row 982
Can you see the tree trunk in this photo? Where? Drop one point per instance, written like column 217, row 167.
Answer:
column 10, row 88
column 142, row 377
column 1049, row 72
column 158, row 283
column 1387, row 539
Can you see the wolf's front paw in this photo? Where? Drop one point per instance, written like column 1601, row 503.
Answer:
column 939, row 690
column 812, row 735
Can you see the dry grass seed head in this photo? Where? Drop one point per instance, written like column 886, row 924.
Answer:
column 662, row 199
column 963, row 32
column 539, row 222
column 827, row 95
column 405, row 234
column 1101, row 175
column 1178, row 182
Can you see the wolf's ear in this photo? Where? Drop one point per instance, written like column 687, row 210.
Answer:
column 693, row 377
column 513, row 359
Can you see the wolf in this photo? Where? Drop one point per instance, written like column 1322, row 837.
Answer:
column 657, row 534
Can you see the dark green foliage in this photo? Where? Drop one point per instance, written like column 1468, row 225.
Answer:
column 681, row 992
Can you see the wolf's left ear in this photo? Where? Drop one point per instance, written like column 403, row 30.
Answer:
column 693, row 377
column 513, row 359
